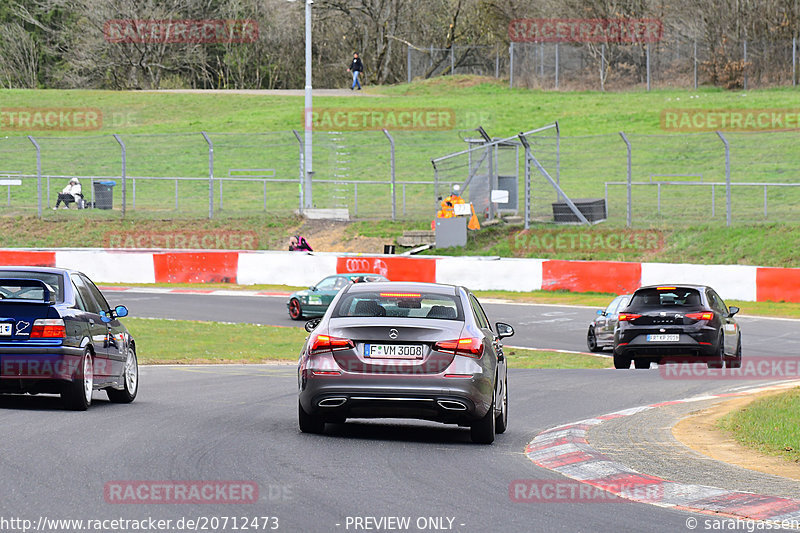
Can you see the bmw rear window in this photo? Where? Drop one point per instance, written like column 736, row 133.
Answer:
column 403, row 304
column 666, row 297
column 12, row 291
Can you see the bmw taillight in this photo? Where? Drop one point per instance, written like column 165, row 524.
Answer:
column 471, row 347
column 325, row 343
column 627, row 317
column 702, row 315
column 48, row 328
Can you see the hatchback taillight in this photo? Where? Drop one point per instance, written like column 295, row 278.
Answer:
column 325, row 343
column 471, row 347
column 627, row 317
column 48, row 328
column 702, row 315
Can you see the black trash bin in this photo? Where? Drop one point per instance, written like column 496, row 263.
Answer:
column 103, row 194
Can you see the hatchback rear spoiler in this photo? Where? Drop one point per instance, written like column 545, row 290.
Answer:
column 48, row 297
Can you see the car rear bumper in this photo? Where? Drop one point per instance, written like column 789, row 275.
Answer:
column 697, row 341
column 25, row 368
column 429, row 397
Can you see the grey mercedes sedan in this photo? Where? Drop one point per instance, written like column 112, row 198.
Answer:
column 405, row 350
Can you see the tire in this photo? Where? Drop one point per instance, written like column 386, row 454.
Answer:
column 621, row 362
column 309, row 423
column 736, row 362
column 295, row 311
column 77, row 394
column 482, row 431
column 501, row 422
column 591, row 341
column 130, row 380
column 719, row 359
column 641, row 364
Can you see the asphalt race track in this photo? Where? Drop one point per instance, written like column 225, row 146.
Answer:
column 238, row 423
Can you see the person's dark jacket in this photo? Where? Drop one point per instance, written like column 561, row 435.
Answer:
column 356, row 65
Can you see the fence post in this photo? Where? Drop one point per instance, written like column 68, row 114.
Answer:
column 602, row 66
column 302, row 169
column 727, row 178
column 744, row 64
column 408, row 61
column 556, row 66
column 794, row 61
column 558, row 159
column 394, row 191
column 511, row 65
column 210, row 175
column 38, row 173
column 124, row 173
column 647, row 48
column 629, row 216
column 496, row 62
column 452, row 60
column 695, row 63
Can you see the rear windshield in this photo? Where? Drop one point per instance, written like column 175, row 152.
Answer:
column 409, row 304
column 666, row 297
column 11, row 291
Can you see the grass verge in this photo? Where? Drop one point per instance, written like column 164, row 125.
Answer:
column 770, row 425
column 199, row 342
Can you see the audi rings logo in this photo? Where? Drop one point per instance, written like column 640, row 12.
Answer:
column 360, row 264
column 393, row 333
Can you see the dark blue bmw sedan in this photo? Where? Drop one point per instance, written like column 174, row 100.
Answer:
column 58, row 335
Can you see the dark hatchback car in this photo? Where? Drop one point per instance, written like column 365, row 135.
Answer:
column 58, row 335
column 601, row 330
column 405, row 350
column 314, row 301
column 677, row 323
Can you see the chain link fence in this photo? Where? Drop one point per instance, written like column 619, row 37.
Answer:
column 677, row 60
column 675, row 179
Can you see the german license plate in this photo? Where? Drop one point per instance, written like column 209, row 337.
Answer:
column 5, row 330
column 393, row 351
column 663, row 338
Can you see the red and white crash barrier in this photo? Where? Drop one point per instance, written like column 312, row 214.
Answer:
column 736, row 282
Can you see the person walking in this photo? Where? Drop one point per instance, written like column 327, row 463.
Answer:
column 356, row 67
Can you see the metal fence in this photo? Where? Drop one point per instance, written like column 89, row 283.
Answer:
column 677, row 60
column 675, row 179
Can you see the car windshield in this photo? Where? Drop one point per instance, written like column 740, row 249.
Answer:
column 18, row 291
column 666, row 297
column 407, row 304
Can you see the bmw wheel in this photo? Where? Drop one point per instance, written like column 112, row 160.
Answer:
column 130, row 381
column 295, row 311
column 77, row 394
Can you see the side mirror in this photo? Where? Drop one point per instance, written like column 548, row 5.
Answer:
column 601, row 312
column 120, row 311
column 504, row 330
column 733, row 310
column 312, row 288
column 311, row 324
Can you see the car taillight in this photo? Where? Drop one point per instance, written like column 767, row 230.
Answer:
column 471, row 347
column 326, row 343
column 702, row 315
column 48, row 328
column 627, row 317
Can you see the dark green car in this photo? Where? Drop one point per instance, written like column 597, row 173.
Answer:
column 315, row 300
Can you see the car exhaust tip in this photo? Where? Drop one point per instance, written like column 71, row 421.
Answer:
column 452, row 405
column 332, row 402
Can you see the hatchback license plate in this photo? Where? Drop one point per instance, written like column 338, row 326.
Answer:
column 5, row 330
column 663, row 338
column 393, row 351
